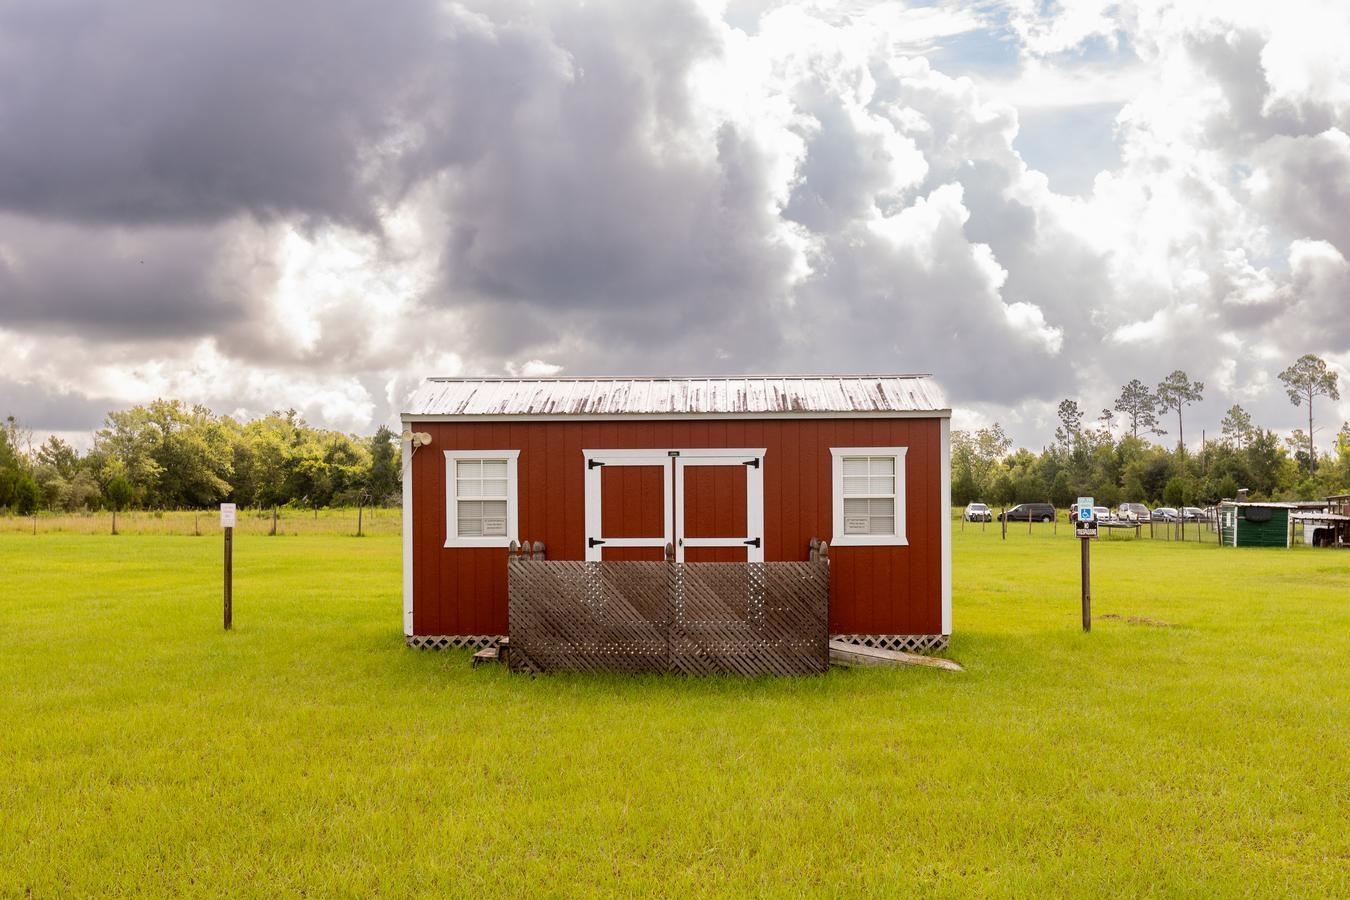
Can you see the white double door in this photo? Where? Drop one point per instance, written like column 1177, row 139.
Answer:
column 706, row 503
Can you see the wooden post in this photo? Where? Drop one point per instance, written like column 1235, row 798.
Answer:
column 228, row 512
column 1003, row 518
column 114, row 531
column 229, row 577
column 1087, row 584
column 274, row 520
column 360, row 507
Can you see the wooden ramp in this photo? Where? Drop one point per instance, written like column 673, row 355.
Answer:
column 856, row 655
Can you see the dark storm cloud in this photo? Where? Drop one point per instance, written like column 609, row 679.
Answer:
column 38, row 407
column 140, row 140
column 640, row 260
column 173, row 111
column 120, row 283
column 1309, row 187
column 598, row 194
column 598, row 221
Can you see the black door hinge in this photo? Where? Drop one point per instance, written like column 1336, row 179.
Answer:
column 593, row 542
column 752, row 462
column 593, row 464
column 753, row 542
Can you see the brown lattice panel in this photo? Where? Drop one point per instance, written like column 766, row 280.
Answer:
column 910, row 643
column 695, row 618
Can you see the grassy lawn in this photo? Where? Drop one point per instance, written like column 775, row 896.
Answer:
column 1200, row 749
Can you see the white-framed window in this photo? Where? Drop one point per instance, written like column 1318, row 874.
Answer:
column 480, row 498
column 869, row 496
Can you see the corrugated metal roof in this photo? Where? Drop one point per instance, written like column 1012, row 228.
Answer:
column 1271, row 504
column 748, row 395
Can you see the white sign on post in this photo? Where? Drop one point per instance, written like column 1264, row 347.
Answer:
column 1087, row 519
column 227, row 515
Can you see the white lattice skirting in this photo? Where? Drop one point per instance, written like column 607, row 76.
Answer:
column 911, row 643
column 452, row 641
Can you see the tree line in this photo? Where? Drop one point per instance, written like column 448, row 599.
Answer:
column 169, row 455
column 1113, row 460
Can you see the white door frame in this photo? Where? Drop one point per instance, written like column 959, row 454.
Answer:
column 596, row 460
column 672, row 462
column 753, row 463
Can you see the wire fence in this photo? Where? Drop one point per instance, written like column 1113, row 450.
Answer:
column 283, row 521
column 1193, row 531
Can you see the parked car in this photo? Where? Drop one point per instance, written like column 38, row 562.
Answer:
column 1136, row 513
column 1029, row 512
column 978, row 512
column 1196, row 514
column 1166, row 514
column 1099, row 513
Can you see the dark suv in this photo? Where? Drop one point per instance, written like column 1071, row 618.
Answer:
column 1029, row 512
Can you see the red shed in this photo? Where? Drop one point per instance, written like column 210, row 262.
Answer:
column 724, row 469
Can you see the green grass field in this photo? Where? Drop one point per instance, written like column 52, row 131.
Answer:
column 1198, row 750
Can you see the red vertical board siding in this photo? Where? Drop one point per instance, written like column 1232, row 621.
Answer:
column 874, row 590
column 787, row 503
column 714, row 507
column 631, row 501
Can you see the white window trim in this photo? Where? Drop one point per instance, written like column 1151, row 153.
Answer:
column 452, row 538
column 899, row 539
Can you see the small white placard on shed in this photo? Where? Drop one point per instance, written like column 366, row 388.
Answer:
column 857, row 524
column 227, row 515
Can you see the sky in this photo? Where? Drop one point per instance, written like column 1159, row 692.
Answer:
column 314, row 204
